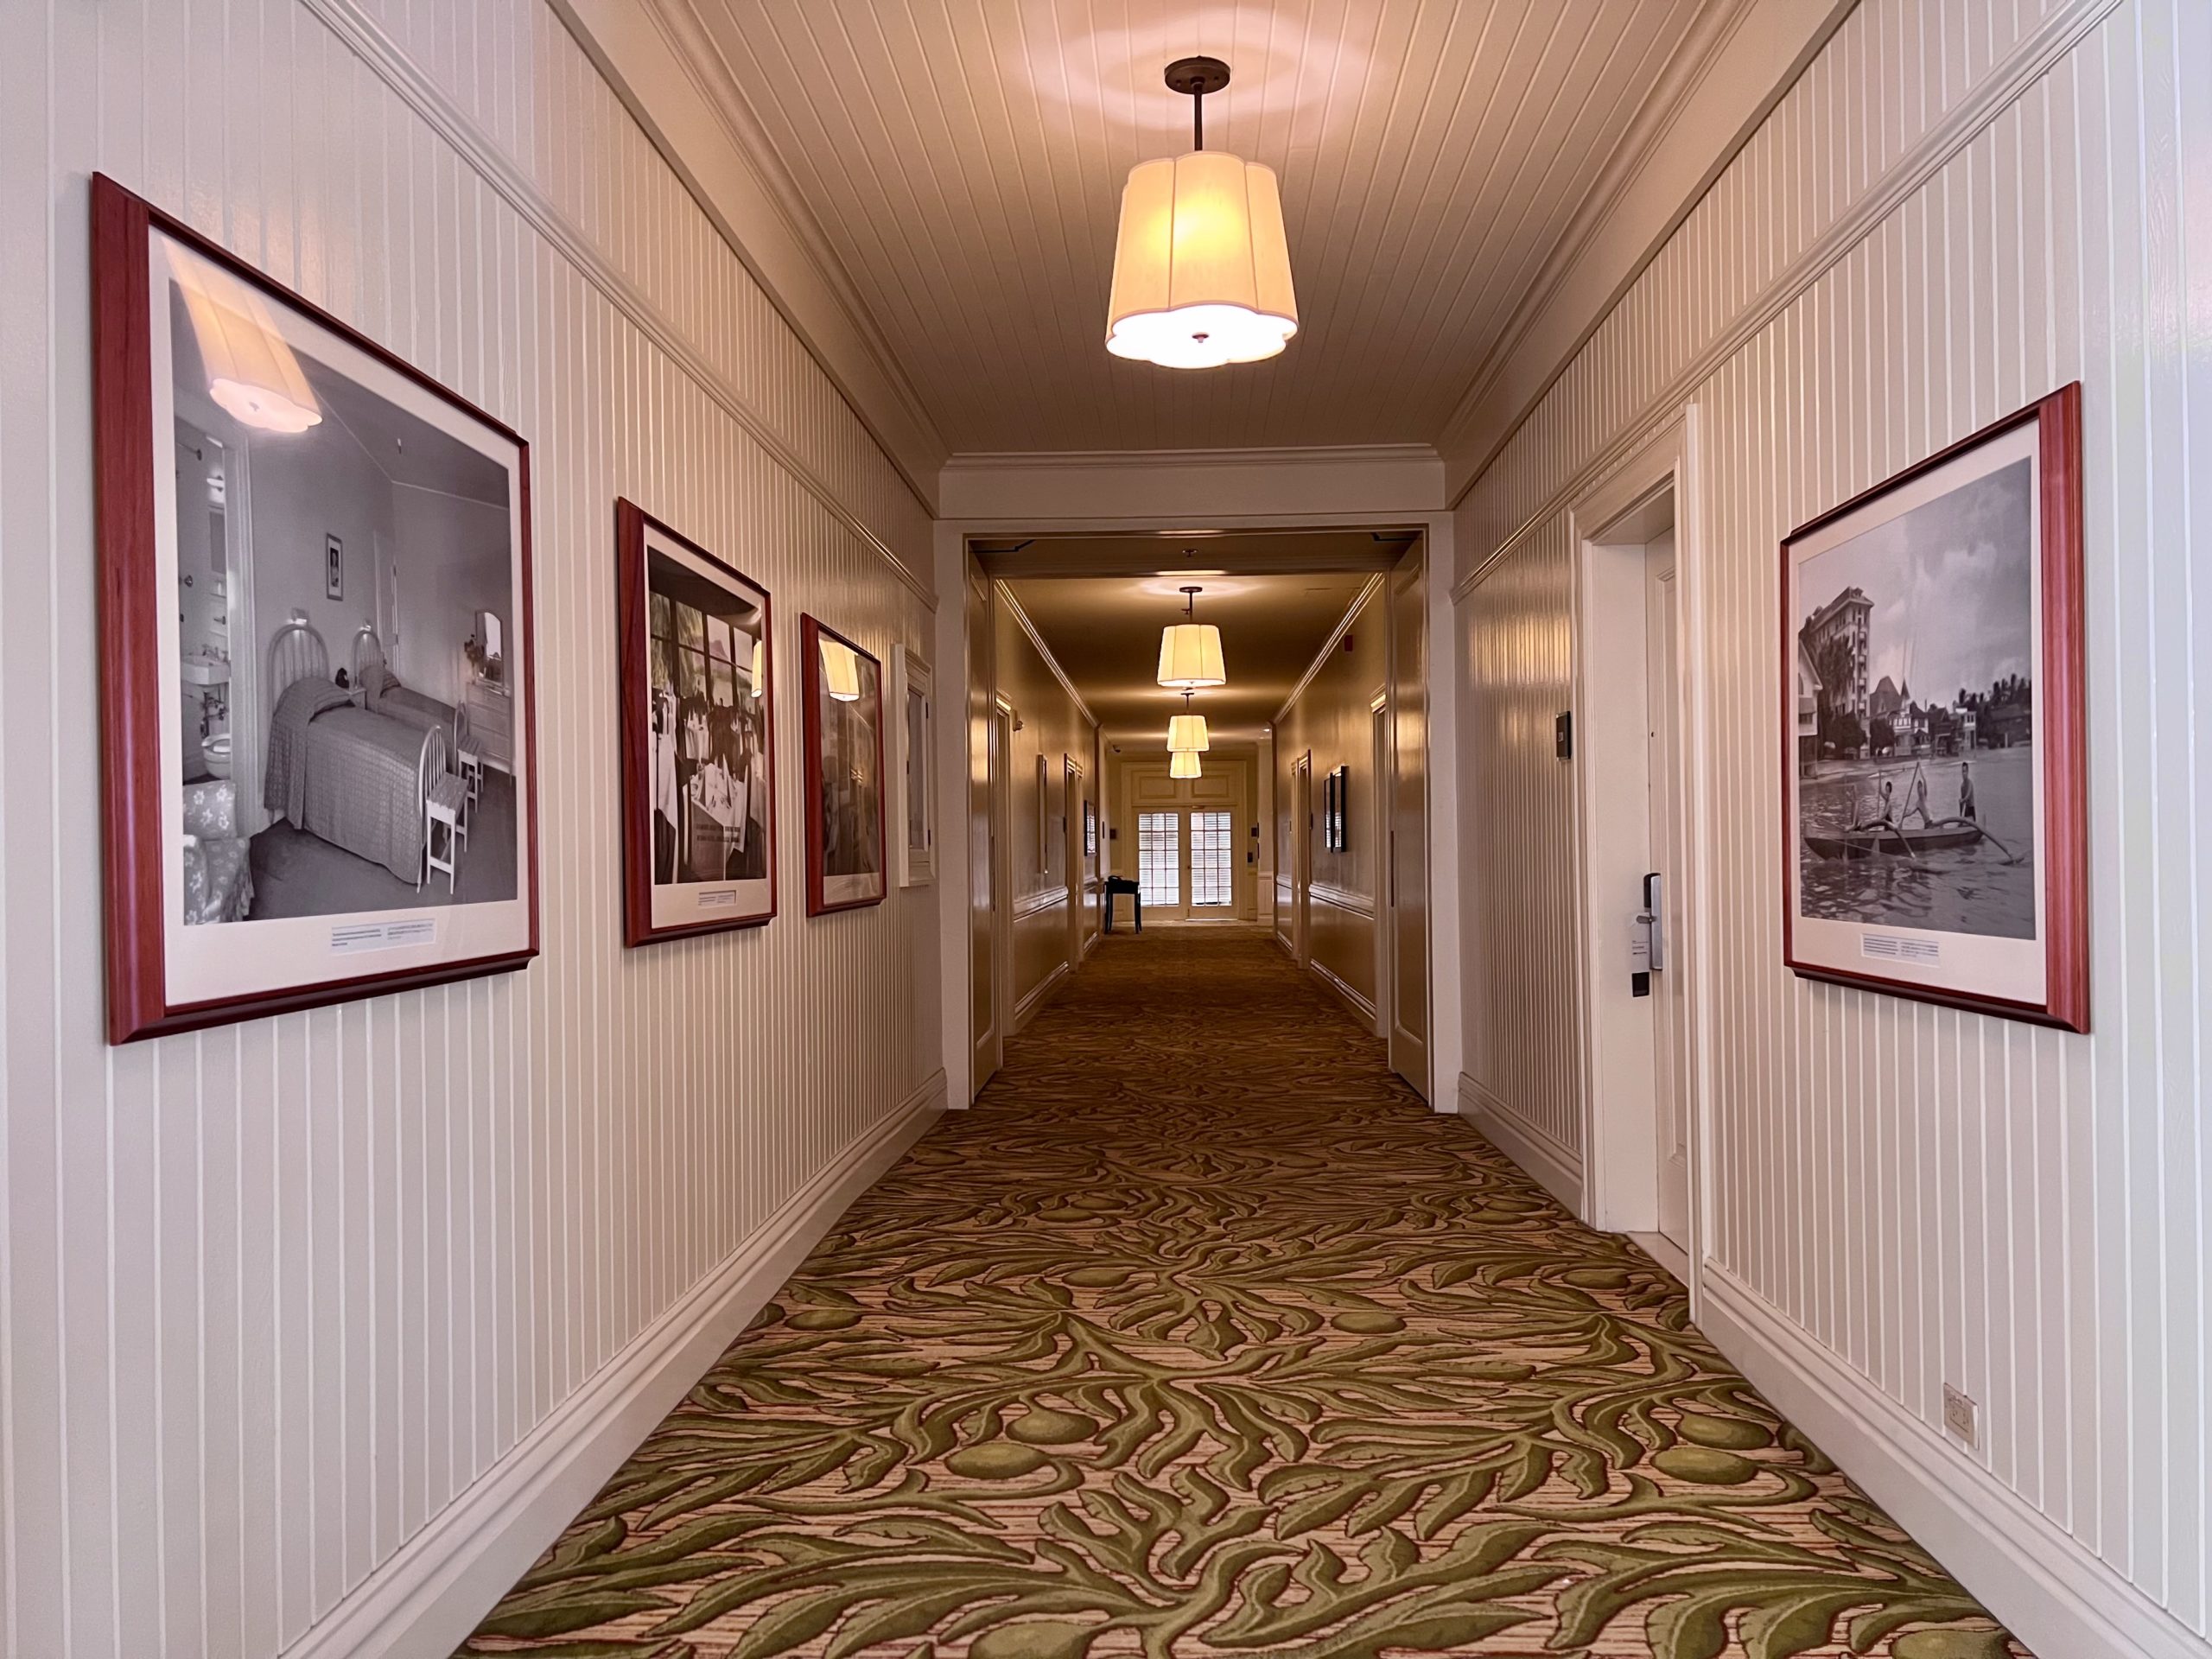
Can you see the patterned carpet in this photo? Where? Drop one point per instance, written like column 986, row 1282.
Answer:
column 1201, row 1335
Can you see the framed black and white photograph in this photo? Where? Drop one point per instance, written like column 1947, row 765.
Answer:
column 1933, row 806
column 915, row 808
column 306, row 801
column 843, row 689
column 1336, row 818
column 698, row 736
column 1090, row 830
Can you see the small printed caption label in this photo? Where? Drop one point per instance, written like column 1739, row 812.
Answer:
column 1891, row 947
column 355, row 936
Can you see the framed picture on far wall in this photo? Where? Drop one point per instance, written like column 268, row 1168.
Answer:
column 913, row 722
column 298, row 809
column 1933, row 815
column 698, row 736
column 1090, row 830
column 844, row 688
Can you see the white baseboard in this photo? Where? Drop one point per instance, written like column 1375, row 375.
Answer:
column 1035, row 1000
column 1557, row 1168
column 439, row 1585
column 1359, row 1005
column 2048, row 1589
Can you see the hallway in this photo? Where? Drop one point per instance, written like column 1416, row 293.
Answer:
column 1200, row 1334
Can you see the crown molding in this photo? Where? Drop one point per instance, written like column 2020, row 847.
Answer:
column 2032, row 57
column 362, row 34
column 1005, row 596
column 664, row 65
column 1311, row 454
column 1375, row 479
column 1737, row 63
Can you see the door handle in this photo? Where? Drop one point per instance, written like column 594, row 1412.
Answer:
column 1655, row 893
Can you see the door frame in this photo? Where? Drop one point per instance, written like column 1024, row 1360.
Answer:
column 1301, row 857
column 1609, row 529
column 1377, row 828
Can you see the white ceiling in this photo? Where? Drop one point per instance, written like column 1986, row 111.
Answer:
column 1104, row 634
column 964, row 160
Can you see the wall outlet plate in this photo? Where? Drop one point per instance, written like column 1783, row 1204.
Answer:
column 1962, row 1416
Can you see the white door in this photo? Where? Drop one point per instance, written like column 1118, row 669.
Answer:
column 1186, row 863
column 1670, row 985
column 1406, row 870
column 986, row 762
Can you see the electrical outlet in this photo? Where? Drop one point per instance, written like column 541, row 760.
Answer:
column 1962, row 1416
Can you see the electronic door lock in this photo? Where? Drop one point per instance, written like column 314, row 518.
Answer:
column 1647, row 938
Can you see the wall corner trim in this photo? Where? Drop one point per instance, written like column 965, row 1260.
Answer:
column 430, row 1593
column 2049, row 1589
column 1556, row 1169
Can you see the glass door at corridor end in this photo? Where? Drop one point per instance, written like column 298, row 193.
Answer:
column 1186, row 863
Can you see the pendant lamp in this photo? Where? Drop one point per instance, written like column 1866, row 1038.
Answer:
column 1190, row 651
column 1183, row 763
column 1187, row 731
column 252, row 372
column 1201, row 265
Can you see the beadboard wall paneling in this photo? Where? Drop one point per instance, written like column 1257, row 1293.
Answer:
column 1517, row 823
column 1057, row 727
column 1928, row 1196
column 276, row 1293
column 1331, row 718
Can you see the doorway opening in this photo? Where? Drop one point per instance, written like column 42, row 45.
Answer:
column 1637, row 847
column 1075, row 622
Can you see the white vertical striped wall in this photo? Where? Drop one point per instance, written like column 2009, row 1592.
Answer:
column 275, row 1294
column 1963, row 204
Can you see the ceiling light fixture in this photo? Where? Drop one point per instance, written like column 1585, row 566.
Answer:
column 1183, row 763
column 1187, row 731
column 1201, row 265
column 1190, row 651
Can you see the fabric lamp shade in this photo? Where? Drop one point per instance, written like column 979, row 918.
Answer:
column 1201, row 265
column 1183, row 763
column 841, row 671
column 1190, row 657
column 252, row 372
column 1187, row 732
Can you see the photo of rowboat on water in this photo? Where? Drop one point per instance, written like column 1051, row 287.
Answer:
column 1922, row 791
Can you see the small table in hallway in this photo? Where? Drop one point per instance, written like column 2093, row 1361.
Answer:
column 1123, row 884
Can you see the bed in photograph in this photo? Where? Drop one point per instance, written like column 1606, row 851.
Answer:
column 382, row 693
column 355, row 777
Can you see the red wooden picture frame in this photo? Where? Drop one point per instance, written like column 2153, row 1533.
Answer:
column 2060, row 723
column 633, row 611
column 811, row 634
column 132, row 707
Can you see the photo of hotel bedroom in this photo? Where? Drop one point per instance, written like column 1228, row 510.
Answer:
column 346, row 610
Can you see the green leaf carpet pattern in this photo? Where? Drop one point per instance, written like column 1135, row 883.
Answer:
column 1201, row 1335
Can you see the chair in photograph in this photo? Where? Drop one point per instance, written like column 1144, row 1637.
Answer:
column 217, row 870
column 470, row 760
column 444, row 800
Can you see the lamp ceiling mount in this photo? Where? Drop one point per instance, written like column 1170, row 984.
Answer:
column 1194, row 77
